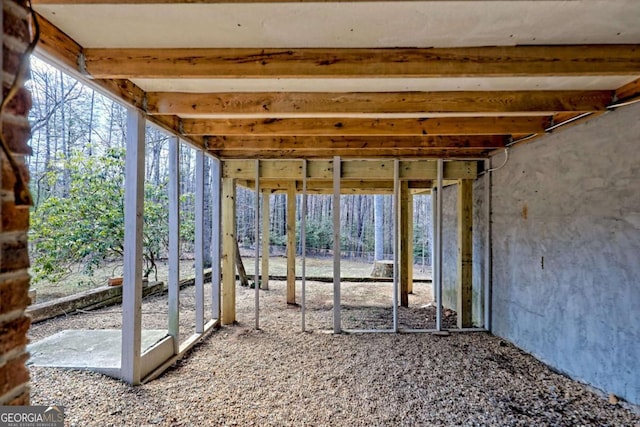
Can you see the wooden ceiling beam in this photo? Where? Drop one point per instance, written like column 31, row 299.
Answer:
column 574, row 60
column 354, row 169
column 324, row 143
column 366, row 127
column 274, row 103
column 386, row 153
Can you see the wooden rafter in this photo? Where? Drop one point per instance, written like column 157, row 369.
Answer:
column 458, row 153
column 323, row 143
column 509, row 61
column 274, row 103
column 357, row 126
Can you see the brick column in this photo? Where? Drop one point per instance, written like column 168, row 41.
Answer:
column 14, row 220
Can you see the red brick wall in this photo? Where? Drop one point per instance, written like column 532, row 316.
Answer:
column 14, row 220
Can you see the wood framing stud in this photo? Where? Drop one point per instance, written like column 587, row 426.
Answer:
column 465, row 253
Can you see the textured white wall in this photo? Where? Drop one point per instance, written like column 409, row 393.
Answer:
column 566, row 251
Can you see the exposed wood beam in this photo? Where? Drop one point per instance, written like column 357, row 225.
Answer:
column 361, row 170
column 366, row 127
column 629, row 93
column 273, row 103
column 354, row 154
column 129, row 2
column 572, row 60
column 323, row 143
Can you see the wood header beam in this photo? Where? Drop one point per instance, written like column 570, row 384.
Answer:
column 365, row 127
column 323, row 143
column 382, row 153
column 361, row 170
column 274, row 103
column 573, row 60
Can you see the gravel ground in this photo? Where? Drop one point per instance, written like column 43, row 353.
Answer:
column 280, row 376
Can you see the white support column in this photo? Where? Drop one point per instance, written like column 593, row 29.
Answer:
column 396, row 240
column 173, row 284
column 216, row 210
column 487, row 248
column 438, row 248
column 133, row 237
column 337, row 324
column 257, row 243
column 199, row 242
column 303, row 243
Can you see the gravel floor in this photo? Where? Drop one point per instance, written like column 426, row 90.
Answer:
column 280, row 376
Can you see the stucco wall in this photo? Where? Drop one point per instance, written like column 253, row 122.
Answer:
column 566, row 251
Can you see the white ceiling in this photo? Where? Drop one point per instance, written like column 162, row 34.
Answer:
column 384, row 85
column 342, row 25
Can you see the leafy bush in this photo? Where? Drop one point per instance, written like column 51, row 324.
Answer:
column 86, row 225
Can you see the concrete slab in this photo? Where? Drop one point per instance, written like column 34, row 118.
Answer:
column 95, row 350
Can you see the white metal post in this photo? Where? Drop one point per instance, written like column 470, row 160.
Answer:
column 337, row 327
column 133, row 240
column 257, row 243
column 396, row 240
column 303, row 242
column 216, row 210
column 487, row 248
column 199, row 242
column 174, row 242
column 438, row 249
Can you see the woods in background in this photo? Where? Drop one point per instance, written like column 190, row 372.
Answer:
column 77, row 179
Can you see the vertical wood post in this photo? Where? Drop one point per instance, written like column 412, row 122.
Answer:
column 266, row 196
column 199, row 242
column 337, row 174
column 438, row 245
column 410, row 243
column 303, row 243
column 256, row 223
column 465, row 252
column 133, row 237
column 216, row 213
column 396, row 241
column 291, row 243
column 174, row 243
column 404, row 243
column 228, row 251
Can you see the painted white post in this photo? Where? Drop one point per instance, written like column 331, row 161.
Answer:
column 438, row 249
column 256, row 219
column 396, row 240
column 199, row 242
column 487, row 247
column 337, row 324
column 303, row 242
column 216, row 210
column 174, row 242
column 133, row 237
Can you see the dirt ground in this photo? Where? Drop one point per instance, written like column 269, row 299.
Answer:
column 280, row 376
